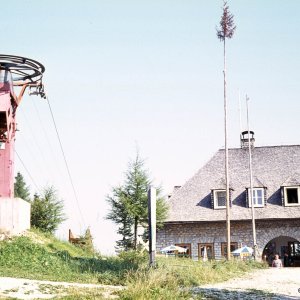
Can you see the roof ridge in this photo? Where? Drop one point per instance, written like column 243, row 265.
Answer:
column 256, row 147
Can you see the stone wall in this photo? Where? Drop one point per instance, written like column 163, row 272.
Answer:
column 215, row 233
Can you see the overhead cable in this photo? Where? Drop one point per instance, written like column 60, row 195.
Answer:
column 28, row 173
column 37, row 146
column 65, row 160
column 46, row 137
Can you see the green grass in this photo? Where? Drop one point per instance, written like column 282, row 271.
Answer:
column 41, row 256
column 173, row 277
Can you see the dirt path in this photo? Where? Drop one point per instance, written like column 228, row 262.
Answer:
column 36, row 289
column 261, row 284
column 272, row 283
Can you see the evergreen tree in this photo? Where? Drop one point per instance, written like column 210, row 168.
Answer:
column 21, row 190
column 86, row 241
column 47, row 211
column 136, row 186
column 119, row 214
column 130, row 203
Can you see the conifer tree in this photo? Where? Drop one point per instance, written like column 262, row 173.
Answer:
column 21, row 190
column 129, row 206
column 136, row 186
column 86, row 241
column 119, row 214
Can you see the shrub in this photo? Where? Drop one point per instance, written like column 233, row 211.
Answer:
column 47, row 211
column 133, row 258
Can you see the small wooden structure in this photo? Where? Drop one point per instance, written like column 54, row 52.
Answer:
column 75, row 239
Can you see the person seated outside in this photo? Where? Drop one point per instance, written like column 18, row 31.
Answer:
column 277, row 263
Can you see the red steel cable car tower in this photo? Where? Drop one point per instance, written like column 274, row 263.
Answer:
column 16, row 73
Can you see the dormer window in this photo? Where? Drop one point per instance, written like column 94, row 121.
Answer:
column 258, row 197
column 291, row 195
column 219, row 199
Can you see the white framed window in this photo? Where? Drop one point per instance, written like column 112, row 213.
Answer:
column 219, row 199
column 291, row 195
column 258, row 196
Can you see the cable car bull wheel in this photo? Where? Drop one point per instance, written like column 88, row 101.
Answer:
column 22, row 72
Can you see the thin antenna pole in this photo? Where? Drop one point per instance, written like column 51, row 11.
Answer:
column 251, row 184
column 240, row 112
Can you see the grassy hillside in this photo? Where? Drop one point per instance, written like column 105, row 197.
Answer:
column 40, row 256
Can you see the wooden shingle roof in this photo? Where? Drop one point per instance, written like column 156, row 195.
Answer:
column 273, row 167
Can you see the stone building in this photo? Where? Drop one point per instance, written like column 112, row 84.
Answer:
column 197, row 216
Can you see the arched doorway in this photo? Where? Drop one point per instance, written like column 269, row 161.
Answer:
column 286, row 247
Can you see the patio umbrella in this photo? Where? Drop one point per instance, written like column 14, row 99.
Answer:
column 205, row 254
column 173, row 248
column 244, row 251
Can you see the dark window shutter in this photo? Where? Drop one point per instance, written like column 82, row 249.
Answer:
column 282, row 195
column 212, row 199
column 247, row 197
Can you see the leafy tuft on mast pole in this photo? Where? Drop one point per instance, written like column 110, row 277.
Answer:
column 227, row 27
column 226, row 31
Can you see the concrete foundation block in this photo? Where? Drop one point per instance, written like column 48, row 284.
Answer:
column 14, row 215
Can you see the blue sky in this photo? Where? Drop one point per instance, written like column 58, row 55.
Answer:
column 147, row 73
